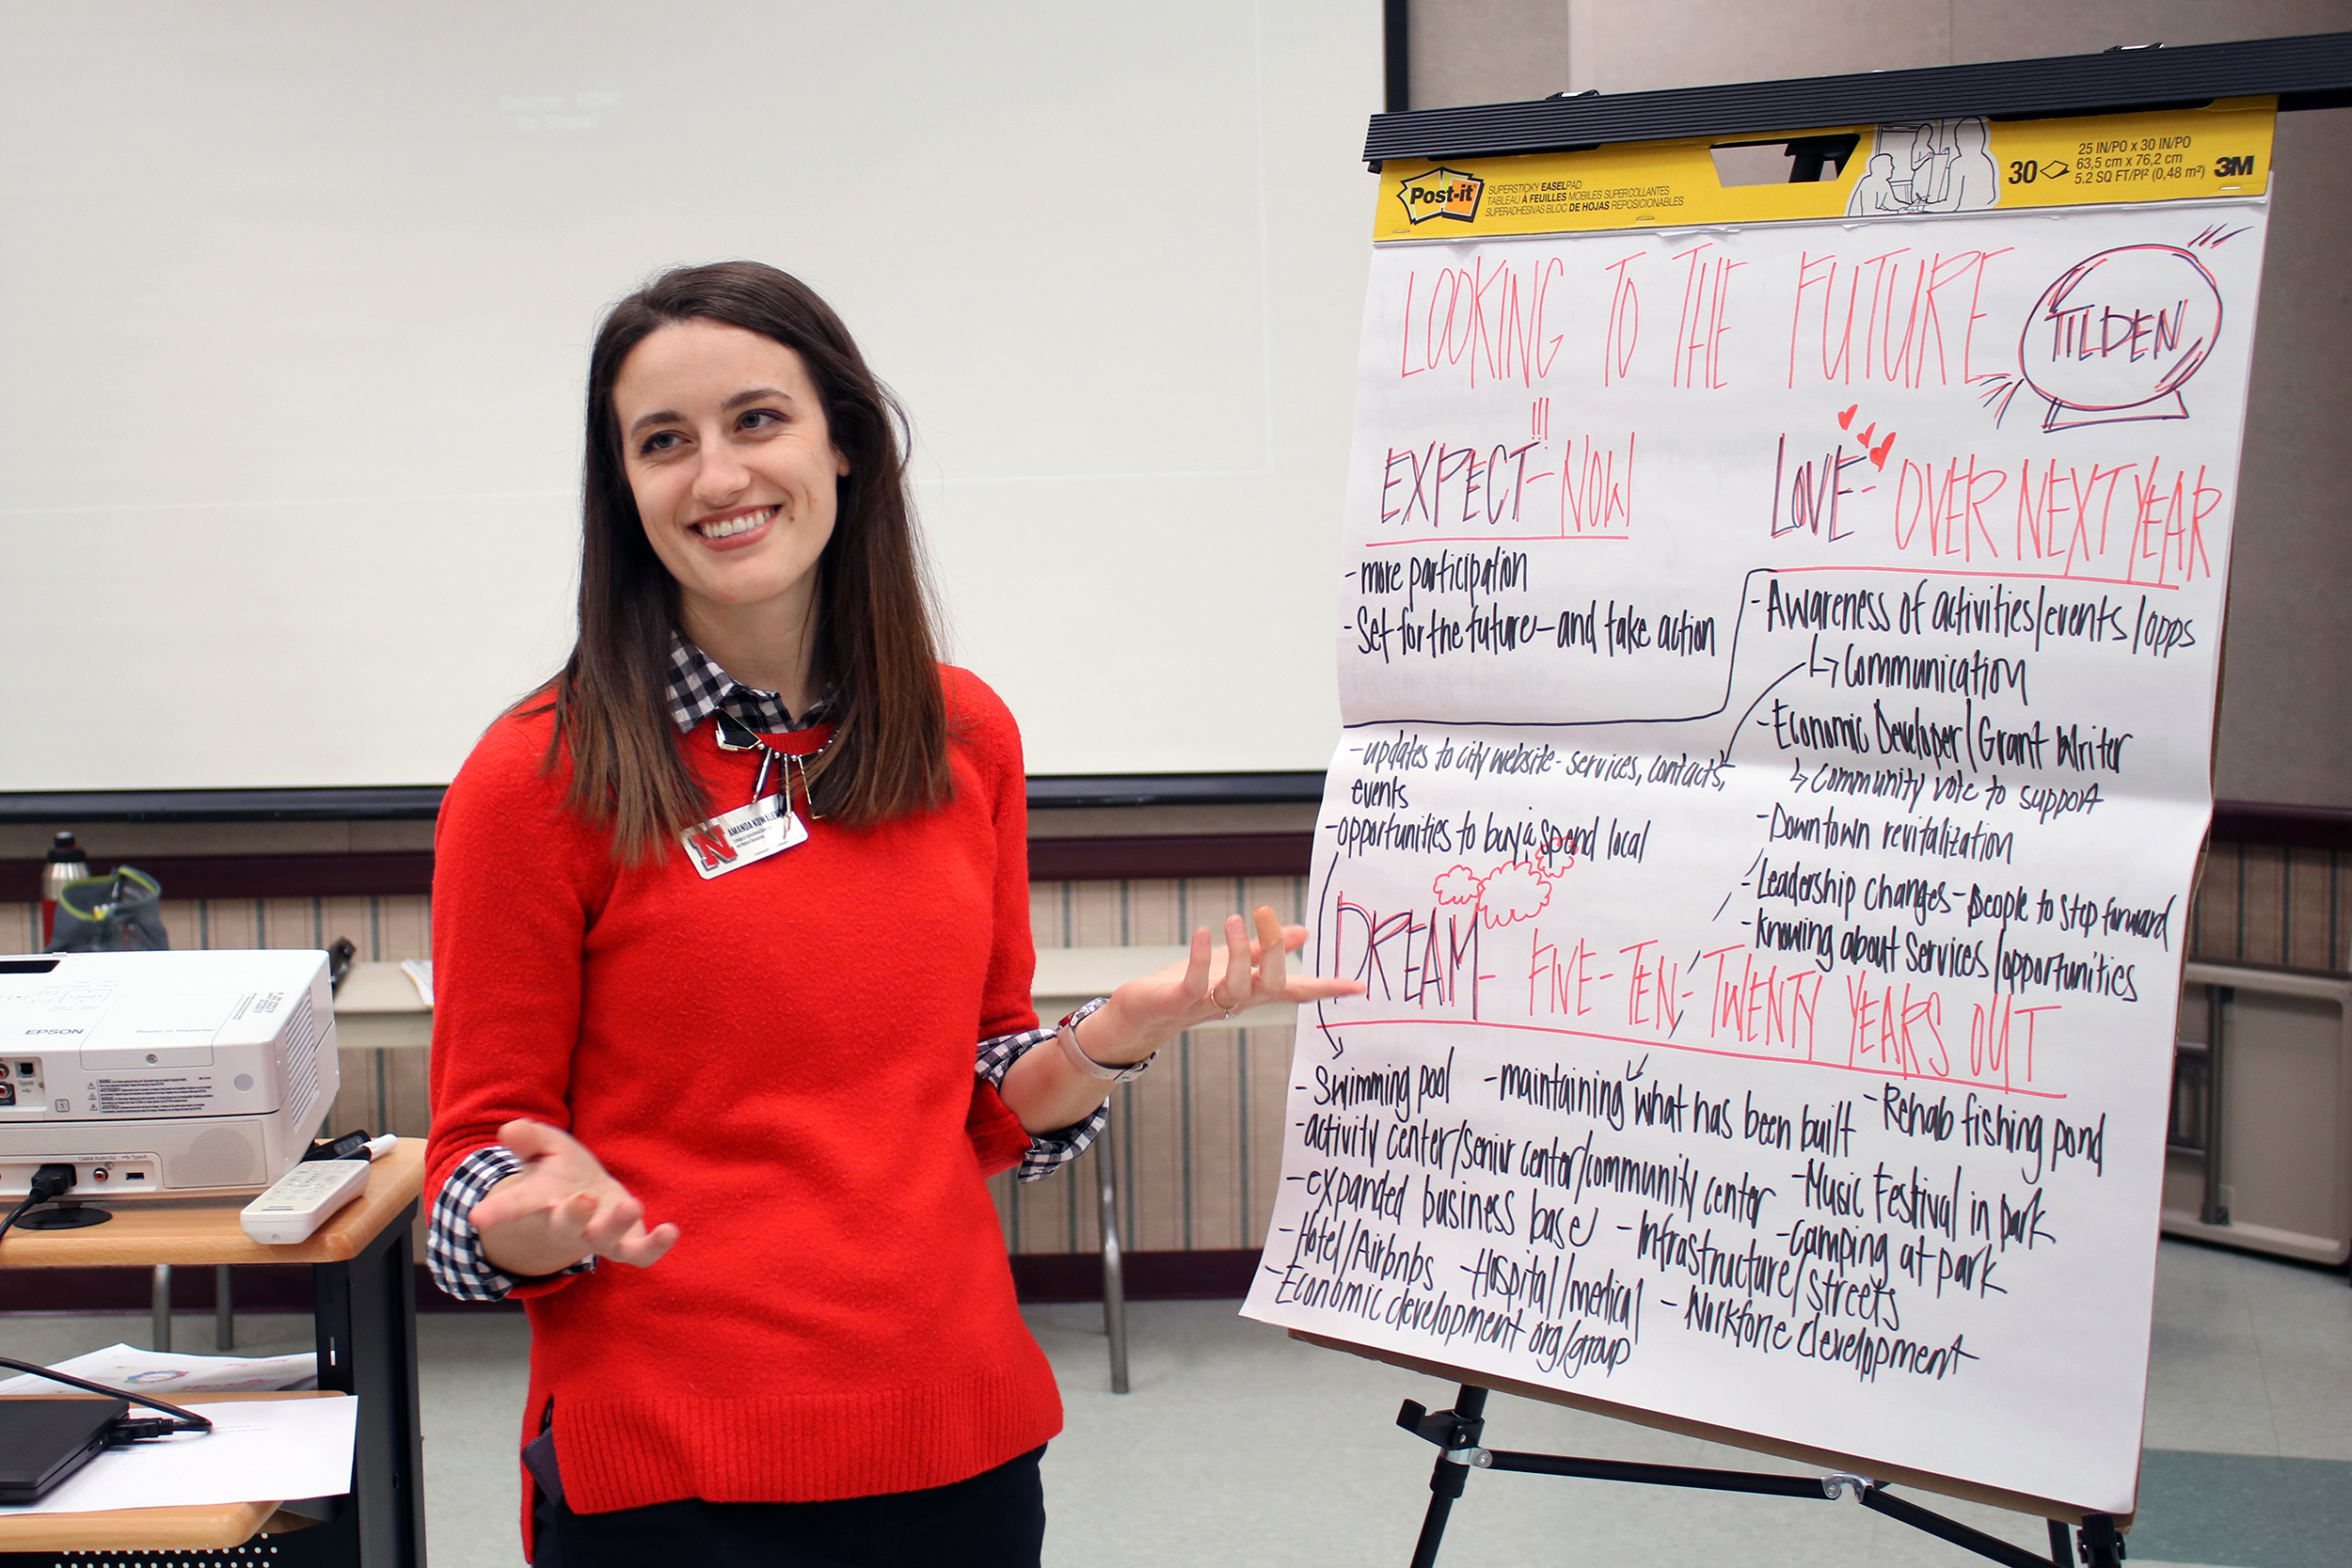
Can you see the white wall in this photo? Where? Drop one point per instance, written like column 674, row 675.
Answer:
column 297, row 301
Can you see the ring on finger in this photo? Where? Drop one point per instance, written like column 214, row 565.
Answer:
column 1224, row 1008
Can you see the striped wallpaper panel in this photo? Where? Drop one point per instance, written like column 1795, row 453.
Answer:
column 1199, row 1134
column 2273, row 908
column 1199, row 1137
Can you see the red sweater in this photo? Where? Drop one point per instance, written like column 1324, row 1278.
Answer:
column 779, row 1061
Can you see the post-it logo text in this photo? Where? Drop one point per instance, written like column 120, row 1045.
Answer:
column 1442, row 193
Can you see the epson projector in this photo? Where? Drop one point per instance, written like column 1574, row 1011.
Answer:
column 161, row 1075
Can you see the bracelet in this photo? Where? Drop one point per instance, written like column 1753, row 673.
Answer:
column 1066, row 1033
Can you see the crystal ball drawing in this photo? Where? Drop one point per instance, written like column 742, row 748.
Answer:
column 2119, row 334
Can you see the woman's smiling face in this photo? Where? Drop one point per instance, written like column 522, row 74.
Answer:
column 725, row 442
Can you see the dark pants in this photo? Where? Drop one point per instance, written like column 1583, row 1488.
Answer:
column 996, row 1519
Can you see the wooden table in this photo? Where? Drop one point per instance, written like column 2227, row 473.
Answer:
column 196, row 1528
column 363, row 1303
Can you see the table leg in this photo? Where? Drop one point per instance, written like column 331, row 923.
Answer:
column 366, row 1312
column 159, row 1307
column 1114, row 1261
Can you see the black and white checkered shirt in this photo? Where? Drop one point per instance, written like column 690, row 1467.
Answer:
column 699, row 689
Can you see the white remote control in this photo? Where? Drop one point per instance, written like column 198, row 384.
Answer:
column 303, row 1199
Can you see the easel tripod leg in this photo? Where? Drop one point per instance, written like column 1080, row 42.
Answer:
column 1114, row 1260
column 1458, row 1434
column 1446, row 1477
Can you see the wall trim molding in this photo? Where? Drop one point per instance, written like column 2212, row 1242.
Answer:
column 1133, row 857
column 1206, row 1276
column 286, row 1287
column 1112, row 860
column 422, row 802
column 392, row 873
column 386, row 873
column 2296, row 827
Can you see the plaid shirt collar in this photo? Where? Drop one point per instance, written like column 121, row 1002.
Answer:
column 699, row 689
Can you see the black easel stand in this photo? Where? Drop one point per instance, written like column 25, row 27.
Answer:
column 1456, row 1432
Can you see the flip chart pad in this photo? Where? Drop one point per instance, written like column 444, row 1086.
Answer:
column 1778, row 661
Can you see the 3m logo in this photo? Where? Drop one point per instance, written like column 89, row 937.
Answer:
column 711, row 846
column 1442, row 193
column 2225, row 168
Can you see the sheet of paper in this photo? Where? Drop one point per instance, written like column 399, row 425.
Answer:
column 1779, row 665
column 420, row 971
column 259, row 1451
column 169, row 1377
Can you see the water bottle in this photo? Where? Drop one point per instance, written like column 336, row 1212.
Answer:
column 67, row 864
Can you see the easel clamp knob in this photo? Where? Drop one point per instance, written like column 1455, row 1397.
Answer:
column 1456, row 1433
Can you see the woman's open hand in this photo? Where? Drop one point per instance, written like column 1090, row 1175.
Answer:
column 1251, row 970
column 1248, row 971
column 561, row 1206
column 1046, row 1091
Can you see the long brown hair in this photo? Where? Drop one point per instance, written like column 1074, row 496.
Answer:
column 874, row 642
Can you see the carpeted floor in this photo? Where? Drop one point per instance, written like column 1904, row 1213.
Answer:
column 1240, row 1446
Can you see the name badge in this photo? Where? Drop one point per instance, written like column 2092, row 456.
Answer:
column 728, row 842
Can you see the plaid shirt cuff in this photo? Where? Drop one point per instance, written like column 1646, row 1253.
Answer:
column 1048, row 1151
column 452, row 1247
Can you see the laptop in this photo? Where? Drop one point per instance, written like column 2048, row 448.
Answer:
column 43, row 1441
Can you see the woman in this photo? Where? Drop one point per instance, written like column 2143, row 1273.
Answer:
column 732, row 962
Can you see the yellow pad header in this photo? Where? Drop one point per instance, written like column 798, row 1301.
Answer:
column 1895, row 170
